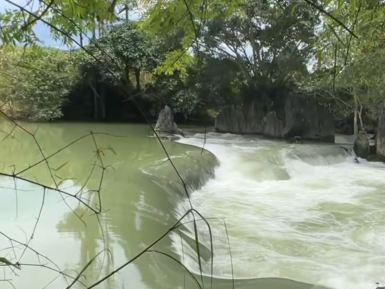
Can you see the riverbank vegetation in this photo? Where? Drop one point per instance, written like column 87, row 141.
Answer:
column 35, row 82
column 284, row 68
column 195, row 57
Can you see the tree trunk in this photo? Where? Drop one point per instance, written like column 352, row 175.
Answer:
column 96, row 111
column 96, row 100
column 81, row 39
column 93, row 37
column 127, row 74
column 102, row 102
column 137, row 78
column 101, row 28
column 362, row 127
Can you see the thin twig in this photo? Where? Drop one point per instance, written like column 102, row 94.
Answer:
column 322, row 10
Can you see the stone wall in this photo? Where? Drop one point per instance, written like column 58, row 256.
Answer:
column 295, row 117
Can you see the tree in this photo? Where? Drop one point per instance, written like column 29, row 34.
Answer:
column 354, row 60
column 68, row 20
column 34, row 82
column 185, row 21
column 131, row 48
column 217, row 83
column 270, row 40
column 121, row 58
column 241, row 50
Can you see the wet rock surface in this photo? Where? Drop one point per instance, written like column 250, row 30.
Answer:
column 361, row 145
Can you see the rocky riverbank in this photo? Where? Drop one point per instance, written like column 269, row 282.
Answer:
column 295, row 117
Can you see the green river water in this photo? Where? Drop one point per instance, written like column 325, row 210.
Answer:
column 298, row 216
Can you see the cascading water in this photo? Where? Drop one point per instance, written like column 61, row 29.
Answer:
column 306, row 212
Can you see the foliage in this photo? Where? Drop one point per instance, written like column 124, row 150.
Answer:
column 354, row 62
column 34, row 82
column 124, row 49
column 260, row 50
column 365, row 81
column 202, row 55
column 271, row 41
column 249, row 49
column 184, row 21
column 218, row 82
column 126, row 53
column 205, row 86
column 365, row 19
column 66, row 19
column 175, row 61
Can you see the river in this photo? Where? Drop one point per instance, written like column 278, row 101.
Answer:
column 296, row 215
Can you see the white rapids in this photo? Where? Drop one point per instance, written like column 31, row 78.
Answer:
column 307, row 212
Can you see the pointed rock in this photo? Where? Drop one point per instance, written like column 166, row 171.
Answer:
column 166, row 124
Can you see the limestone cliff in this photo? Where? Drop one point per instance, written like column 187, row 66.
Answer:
column 294, row 117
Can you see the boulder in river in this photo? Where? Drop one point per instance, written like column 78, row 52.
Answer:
column 380, row 138
column 166, row 124
column 361, row 145
column 294, row 116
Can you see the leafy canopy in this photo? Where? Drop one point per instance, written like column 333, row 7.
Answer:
column 34, row 82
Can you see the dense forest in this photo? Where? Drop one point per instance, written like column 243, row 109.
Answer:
column 198, row 57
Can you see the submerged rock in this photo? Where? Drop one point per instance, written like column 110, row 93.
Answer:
column 295, row 116
column 380, row 138
column 361, row 145
column 166, row 124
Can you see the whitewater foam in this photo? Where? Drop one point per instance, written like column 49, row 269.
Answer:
column 306, row 212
